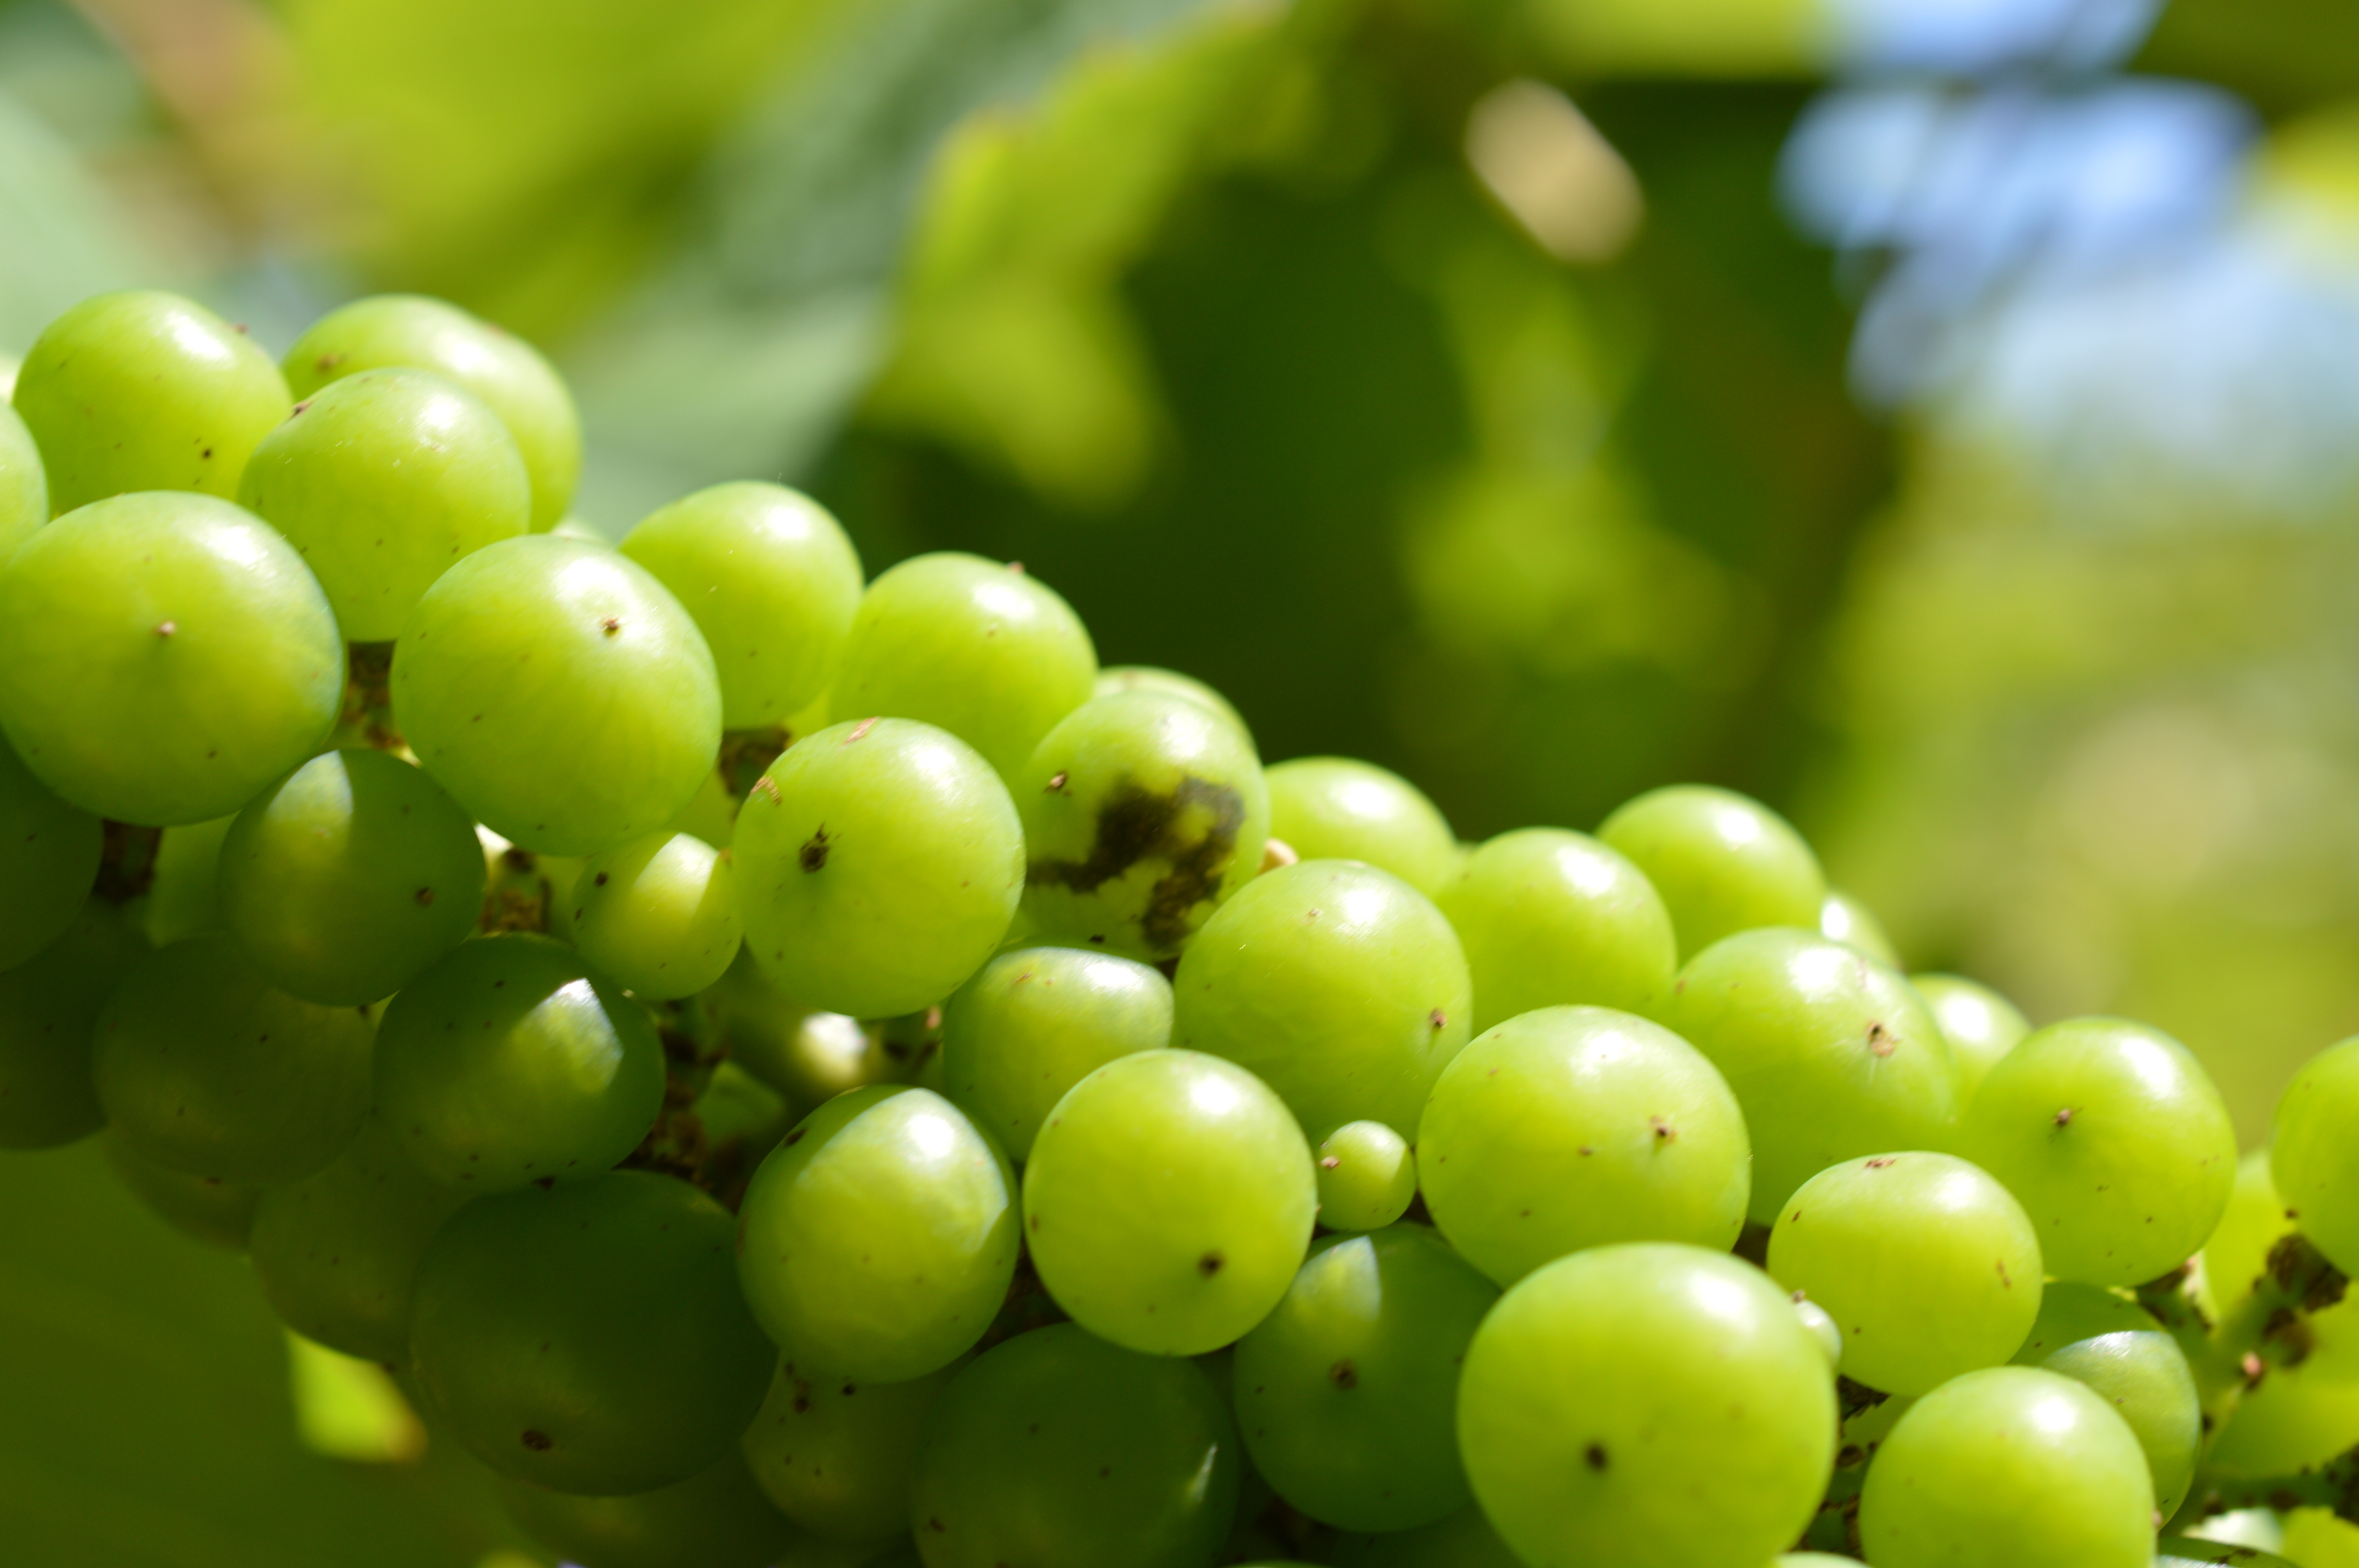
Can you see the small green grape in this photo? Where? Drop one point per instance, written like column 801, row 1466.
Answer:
column 659, row 915
column 217, row 1213
column 2291, row 1422
column 24, row 489
column 2144, row 1375
column 1147, row 677
column 1464, row 1540
column 1823, row 1328
column 1843, row 918
column 1723, row 862
column 2236, row 1258
column 49, row 1011
column 2313, row 1159
column 836, row 1453
column 1335, row 808
column 144, row 390
column 1367, row 1176
column 1168, row 1202
column 1552, row 918
column 49, row 857
column 1980, row 1025
column 2070, row 1312
column 716, row 1518
column 184, row 894
column 1340, row 985
column 1037, row 1021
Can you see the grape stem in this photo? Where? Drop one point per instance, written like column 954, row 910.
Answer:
column 367, row 715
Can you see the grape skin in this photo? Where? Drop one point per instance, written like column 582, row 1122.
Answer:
column 659, row 915
column 1338, row 808
column 1367, row 1176
column 1980, row 1025
column 23, row 488
column 217, row 1213
column 2314, row 1161
column 49, row 857
column 49, row 1008
column 1723, row 862
column 837, row 1455
column 1550, row 918
column 1035, row 1021
column 716, row 1518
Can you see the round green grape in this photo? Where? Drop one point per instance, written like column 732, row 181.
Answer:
column 24, row 489
column 991, row 655
column 1980, row 1025
column 1574, row 1126
column 217, row 1213
column 589, row 1337
column 1552, row 918
column 2009, row 1467
column 1723, row 862
column 1335, row 808
column 380, row 482
column 2115, row 1143
column 1056, row 1450
column 2236, row 1260
column 836, row 1453
column 1143, row 812
column 559, row 693
column 343, row 882
column 716, row 1518
column 879, row 863
column 1823, row 1327
column 659, row 915
column 879, row 1237
column 2070, row 1312
column 509, row 1062
column 1843, row 918
column 1147, row 677
column 49, row 857
column 504, row 372
column 1037, row 1021
column 1464, row 1540
column 1340, row 985
column 1831, row 1056
column 184, row 894
column 49, row 1012
column 1367, row 1176
column 1929, row 1265
column 1168, row 1202
column 1647, row 1402
column 2314, row 1160
column 2144, row 1375
column 163, row 658
column 773, row 584
column 1347, row 1392
column 144, row 390
column 2291, row 1422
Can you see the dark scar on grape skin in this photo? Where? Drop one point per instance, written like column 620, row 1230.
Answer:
column 814, row 855
column 536, row 1440
column 1596, row 1457
column 1137, row 823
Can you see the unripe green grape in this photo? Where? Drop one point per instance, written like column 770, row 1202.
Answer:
column 49, row 1012
column 145, row 390
column 1057, row 1450
column 1843, row 918
column 1647, row 1402
column 1037, row 1021
column 1347, row 1392
column 1723, row 862
column 2291, row 1422
column 1337, row 808
column 1168, row 1202
column 1824, row 1329
column 2070, row 1312
column 991, row 655
column 2237, row 1260
column 2009, row 1467
column 509, row 1062
column 1574, row 1126
column 504, row 372
column 1552, row 918
column 335, row 1251
column 206, row 1068
column 24, row 489
column 2144, row 1375
column 716, row 1518
column 1830, row 1053
column 1143, row 813
column 1367, row 1176
column 1980, row 1025
column 559, row 693
column 836, row 1453
column 49, row 857
column 1931, row 1267
column 589, row 1337
column 1464, row 1540
column 2314, row 1159
column 1339, row 985
column 659, row 915
column 879, row 1237
column 184, row 890
column 343, row 882
column 1147, row 677
column 380, row 482
column 2114, row 1140
column 773, row 584
column 217, row 1213
column 879, row 865
column 163, row 656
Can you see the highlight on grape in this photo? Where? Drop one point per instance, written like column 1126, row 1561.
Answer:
column 785, row 1068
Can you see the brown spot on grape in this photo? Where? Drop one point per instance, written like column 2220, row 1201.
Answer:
column 1879, row 1162
column 860, row 730
column 1880, row 1042
column 793, row 1138
column 2064, row 1116
column 536, row 1440
column 1595, row 1455
column 610, row 625
column 1343, row 1375
column 165, row 628
column 1438, row 1018
column 814, row 851
column 1210, row 1264
column 1330, row 1163
column 426, row 895
column 1057, row 782
column 1192, row 827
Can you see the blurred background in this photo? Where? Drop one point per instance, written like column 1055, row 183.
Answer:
column 1939, row 417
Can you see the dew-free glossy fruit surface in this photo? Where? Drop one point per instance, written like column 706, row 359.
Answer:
column 1552, row 918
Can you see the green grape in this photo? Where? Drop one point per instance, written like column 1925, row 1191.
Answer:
column 1723, row 862
column 1843, row 918
column 1340, row 985
column 1830, row 1055
column 716, row 1518
column 2009, row 1467
column 1931, row 1267
column 1168, row 1202
column 659, row 915
column 205, row 1068
column 2115, row 1143
column 49, row 1011
column 1143, row 812
column 879, row 863
column 49, row 857
column 1367, row 1176
column 2236, row 1256
column 504, row 372
column 1552, row 918
column 1813, row 1560
column 712, row 816
column 1347, row 1392
column 144, row 391
column 1980, row 1025
column 2291, row 1423
column 2144, row 1375
column 559, row 693
column 1647, row 1402
column 2313, row 1159
column 1335, row 808
column 336, row 1250
column 1037, row 1021
column 1056, row 1450
column 184, row 892
column 1464, row 1540
column 380, row 482
column 2070, row 1312
column 343, row 882
column 1823, row 1328
column 24, row 489
column 509, row 1062
column 879, row 1237
column 2181, row 1552
column 163, row 658
column 836, row 1453
column 772, row 582
column 1574, row 1126
column 218, row 1213
column 589, row 1337
column 1147, row 677
column 981, row 649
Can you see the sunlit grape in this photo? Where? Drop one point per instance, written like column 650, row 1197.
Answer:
column 1550, row 918
column 1336, row 808
column 1723, row 862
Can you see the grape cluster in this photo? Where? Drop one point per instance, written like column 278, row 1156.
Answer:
column 788, row 1069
